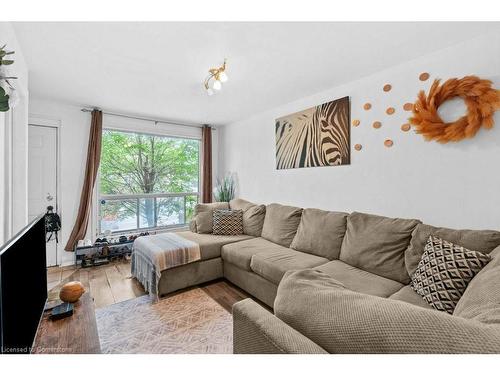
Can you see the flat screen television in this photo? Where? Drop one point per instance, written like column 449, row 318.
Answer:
column 23, row 287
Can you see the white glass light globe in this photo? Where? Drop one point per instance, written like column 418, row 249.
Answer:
column 223, row 77
column 210, row 92
column 217, row 85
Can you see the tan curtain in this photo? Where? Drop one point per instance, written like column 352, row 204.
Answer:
column 93, row 159
column 206, row 172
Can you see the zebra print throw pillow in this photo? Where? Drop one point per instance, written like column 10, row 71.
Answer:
column 228, row 222
column 444, row 272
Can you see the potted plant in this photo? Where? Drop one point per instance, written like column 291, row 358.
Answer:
column 225, row 189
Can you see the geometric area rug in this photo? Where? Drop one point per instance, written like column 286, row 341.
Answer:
column 189, row 322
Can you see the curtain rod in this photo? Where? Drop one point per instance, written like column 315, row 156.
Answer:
column 145, row 118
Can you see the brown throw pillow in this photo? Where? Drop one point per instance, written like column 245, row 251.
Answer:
column 228, row 222
column 444, row 272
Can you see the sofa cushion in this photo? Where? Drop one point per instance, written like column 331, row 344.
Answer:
column 204, row 222
column 320, row 233
column 377, row 244
column 272, row 265
column 281, row 223
column 483, row 241
column 358, row 280
column 228, row 222
column 253, row 216
column 481, row 299
column 210, row 245
column 407, row 294
column 240, row 253
column 444, row 272
column 203, row 216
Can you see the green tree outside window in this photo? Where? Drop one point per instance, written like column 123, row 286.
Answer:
column 133, row 163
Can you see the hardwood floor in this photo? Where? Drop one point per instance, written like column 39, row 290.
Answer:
column 224, row 293
column 108, row 284
column 112, row 283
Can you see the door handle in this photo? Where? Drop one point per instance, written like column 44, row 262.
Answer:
column 49, row 197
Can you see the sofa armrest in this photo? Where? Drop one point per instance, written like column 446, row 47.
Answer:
column 257, row 331
column 343, row 321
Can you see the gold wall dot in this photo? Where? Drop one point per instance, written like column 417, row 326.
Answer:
column 423, row 76
column 367, row 106
column 388, row 143
column 408, row 107
column 387, row 88
column 405, row 127
column 355, row 122
column 390, row 110
column 377, row 124
column 358, row 147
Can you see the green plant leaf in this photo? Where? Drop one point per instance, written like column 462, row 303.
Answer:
column 7, row 62
column 4, row 101
column 224, row 191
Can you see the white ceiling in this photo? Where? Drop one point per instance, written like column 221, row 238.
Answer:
column 157, row 69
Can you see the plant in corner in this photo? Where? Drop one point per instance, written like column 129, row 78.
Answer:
column 6, row 101
column 225, row 189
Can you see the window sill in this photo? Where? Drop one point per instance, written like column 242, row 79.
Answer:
column 181, row 228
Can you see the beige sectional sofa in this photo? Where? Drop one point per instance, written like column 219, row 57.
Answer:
column 339, row 283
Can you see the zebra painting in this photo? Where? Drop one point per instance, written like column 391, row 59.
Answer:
column 316, row 137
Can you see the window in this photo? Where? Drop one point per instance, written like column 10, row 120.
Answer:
column 146, row 181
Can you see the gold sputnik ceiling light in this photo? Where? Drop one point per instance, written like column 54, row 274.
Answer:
column 215, row 79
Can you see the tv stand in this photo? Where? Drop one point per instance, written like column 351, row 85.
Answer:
column 76, row 334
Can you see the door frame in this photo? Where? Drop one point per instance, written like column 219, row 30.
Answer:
column 55, row 124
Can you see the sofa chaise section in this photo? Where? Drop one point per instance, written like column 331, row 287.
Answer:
column 208, row 268
column 211, row 245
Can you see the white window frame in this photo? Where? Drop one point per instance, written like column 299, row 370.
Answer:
column 138, row 127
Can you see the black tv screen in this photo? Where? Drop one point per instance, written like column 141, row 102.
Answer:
column 23, row 287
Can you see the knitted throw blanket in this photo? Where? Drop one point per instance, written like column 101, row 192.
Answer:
column 153, row 254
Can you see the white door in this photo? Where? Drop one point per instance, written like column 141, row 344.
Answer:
column 42, row 177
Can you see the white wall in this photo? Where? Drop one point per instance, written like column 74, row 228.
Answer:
column 13, row 145
column 455, row 185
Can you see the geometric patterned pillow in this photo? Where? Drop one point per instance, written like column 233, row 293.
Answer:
column 444, row 272
column 228, row 222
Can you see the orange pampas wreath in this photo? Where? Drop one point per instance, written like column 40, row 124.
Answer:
column 481, row 100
